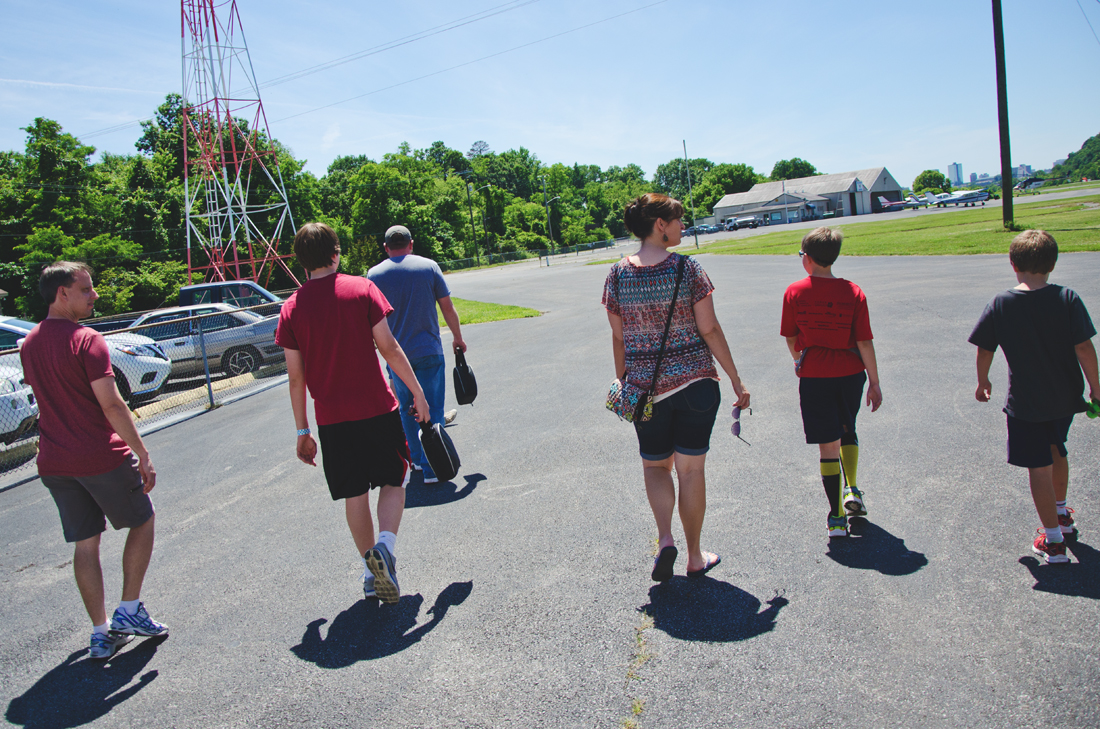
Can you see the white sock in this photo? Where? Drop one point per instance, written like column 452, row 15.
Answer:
column 102, row 629
column 1052, row 533
column 130, row 607
column 390, row 539
column 1061, row 507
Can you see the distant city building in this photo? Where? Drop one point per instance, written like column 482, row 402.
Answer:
column 1023, row 171
column 973, row 177
column 983, row 176
column 955, row 173
column 1059, row 161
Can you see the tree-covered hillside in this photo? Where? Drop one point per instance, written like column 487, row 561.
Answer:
column 1082, row 163
column 124, row 214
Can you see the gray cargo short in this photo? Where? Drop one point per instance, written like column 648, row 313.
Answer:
column 85, row 502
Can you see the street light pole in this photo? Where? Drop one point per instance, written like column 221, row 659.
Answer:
column 691, row 198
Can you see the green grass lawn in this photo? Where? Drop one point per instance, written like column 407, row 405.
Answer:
column 476, row 312
column 1074, row 223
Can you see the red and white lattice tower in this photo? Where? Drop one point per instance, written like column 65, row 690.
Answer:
column 235, row 198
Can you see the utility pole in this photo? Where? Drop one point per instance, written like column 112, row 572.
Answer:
column 691, row 198
column 1002, row 116
column 473, row 230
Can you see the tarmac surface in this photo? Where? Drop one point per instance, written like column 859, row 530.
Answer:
column 526, row 598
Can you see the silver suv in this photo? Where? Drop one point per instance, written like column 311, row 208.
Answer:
column 236, row 341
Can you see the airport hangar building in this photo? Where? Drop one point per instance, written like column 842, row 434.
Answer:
column 813, row 198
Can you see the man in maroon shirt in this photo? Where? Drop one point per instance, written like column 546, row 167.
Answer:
column 329, row 329
column 90, row 455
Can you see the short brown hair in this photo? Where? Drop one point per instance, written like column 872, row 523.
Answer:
column 1033, row 251
column 641, row 213
column 823, row 245
column 58, row 274
column 315, row 244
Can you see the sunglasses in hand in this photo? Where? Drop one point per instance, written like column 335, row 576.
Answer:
column 736, row 427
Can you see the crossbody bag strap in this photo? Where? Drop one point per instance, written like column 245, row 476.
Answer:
column 668, row 323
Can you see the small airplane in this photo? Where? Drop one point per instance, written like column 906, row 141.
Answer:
column 909, row 202
column 966, row 198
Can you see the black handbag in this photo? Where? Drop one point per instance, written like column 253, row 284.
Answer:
column 465, row 384
column 439, row 450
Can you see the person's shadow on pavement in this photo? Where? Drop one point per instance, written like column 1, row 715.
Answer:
column 369, row 629
column 1076, row 579
column 78, row 692
column 870, row 547
column 710, row 610
column 436, row 494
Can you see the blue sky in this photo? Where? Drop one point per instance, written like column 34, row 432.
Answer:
column 845, row 85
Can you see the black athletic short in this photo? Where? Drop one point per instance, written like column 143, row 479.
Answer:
column 1029, row 443
column 830, row 405
column 364, row 454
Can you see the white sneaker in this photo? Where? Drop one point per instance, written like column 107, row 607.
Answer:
column 105, row 646
column 449, row 417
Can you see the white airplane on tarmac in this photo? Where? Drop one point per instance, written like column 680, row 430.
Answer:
column 909, row 202
column 966, row 198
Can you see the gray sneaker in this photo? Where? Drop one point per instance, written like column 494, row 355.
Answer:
column 368, row 586
column 137, row 624
column 105, row 646
column 382, row 565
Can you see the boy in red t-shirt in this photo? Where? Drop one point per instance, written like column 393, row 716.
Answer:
column 329, row 329
column 828, row 332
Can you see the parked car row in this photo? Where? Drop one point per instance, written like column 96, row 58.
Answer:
column 162, row 345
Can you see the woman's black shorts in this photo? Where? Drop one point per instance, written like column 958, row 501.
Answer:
column 360, row 455
column 681, row 423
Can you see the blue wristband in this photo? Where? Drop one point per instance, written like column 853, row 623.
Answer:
column 303, row 431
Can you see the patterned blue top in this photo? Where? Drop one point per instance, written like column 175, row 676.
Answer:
column 641, row 296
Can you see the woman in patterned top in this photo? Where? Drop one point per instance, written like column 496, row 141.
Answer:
column 637, row 296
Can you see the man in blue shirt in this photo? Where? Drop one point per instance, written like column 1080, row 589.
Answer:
column 413, row 285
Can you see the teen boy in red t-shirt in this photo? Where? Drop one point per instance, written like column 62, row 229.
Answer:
column 828, row 332
column 329, row 329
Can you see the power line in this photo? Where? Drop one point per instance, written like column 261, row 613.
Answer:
column 1088, row 21
column 452, row 25
column 484, row 15
column 476, row 60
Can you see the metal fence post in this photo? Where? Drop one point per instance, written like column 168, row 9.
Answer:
column 205, row 364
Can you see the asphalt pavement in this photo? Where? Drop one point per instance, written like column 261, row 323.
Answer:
column 526, row 598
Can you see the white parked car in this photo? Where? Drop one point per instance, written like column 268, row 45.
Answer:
column 18, row 409
column 141, row 366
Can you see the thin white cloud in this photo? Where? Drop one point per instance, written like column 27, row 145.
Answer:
column 28, row 82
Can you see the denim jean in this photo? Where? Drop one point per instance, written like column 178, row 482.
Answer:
column 430, row 373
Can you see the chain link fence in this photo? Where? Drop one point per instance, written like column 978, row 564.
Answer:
column 489, row 259
column 170, row 367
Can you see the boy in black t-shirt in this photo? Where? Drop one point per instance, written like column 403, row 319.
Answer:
column 1046, row 334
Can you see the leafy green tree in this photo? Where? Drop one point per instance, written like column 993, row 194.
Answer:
column 722, row 180
column 793, row 169
column 671, row 177
column 932, row 180
column 478, row 149
column 56, row 178
column 1085, row 162
column 164, row 136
